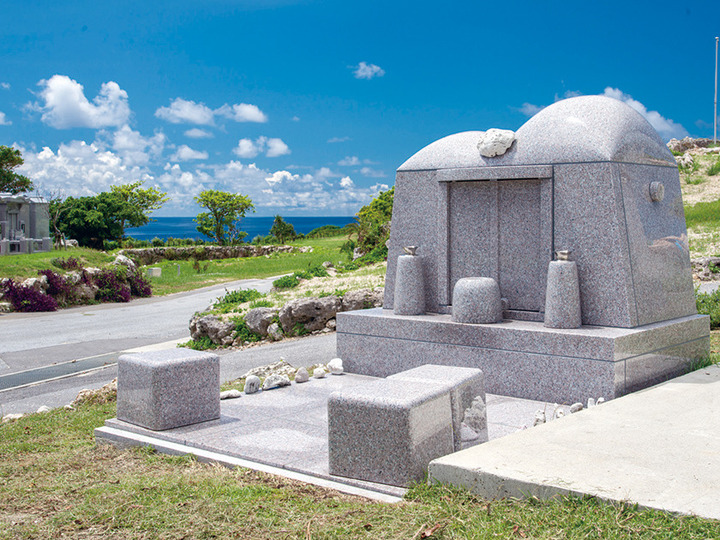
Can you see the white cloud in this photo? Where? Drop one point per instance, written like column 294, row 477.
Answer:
column 372, row 173
column 276, row 147
column 243, row 112
column 667, row 128
column 78, row 168
column 185, row 153
column 5, row 86
column 349, row 161
column 197, row 133
column 184, row 111
column 367, row 71
column 273, row 147
column 134, row 149
column 334, row 140
column 295, row 119
column 248, row 149
column 279, row 176
column 3, row 120
column 65, row 105
column 528, row 109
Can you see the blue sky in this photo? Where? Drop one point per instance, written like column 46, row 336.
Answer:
column 309, row 107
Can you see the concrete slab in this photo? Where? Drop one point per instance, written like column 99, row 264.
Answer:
column 659, row 448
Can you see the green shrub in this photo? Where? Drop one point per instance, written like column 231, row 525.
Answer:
column 325, row 231
column 202, row 344
column 299, row 330
column 709, row 304
column 238, row 297
column 157, row 242
column 243, row 332
column 286, row 282
column 714, row 168
column 263, row 302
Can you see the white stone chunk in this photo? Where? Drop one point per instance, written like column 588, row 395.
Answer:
column 576, row 407
column 335, row 366
column 230, row 394
column 44, row 409
column 539, row 418
column 320, row 373
column 495, row 142
column 302, row 375
column 276, row 381
column 252, row 384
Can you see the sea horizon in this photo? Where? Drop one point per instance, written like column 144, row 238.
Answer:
column 186, row 227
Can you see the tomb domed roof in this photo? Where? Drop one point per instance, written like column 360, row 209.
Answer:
column 576, row 130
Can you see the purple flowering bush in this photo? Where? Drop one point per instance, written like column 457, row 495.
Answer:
column 27, row 299
column 112, row 286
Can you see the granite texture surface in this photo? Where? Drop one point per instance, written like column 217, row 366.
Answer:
column 416, row 206
column 409, row 286
column 658, row 244
column 168, row 389
column 581, row 129
column 476, row 300
column 520, row 358
column 464, row 385
column 589, row 222
column 562, row 303
column 388, row 432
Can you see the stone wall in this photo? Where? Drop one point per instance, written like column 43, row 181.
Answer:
column 153, row 255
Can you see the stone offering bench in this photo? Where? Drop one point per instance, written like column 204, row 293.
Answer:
column 389, row 430
column 162, row 390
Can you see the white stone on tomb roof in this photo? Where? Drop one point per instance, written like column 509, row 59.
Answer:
column 577, row 130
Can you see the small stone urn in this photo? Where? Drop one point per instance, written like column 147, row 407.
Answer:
column 562, row 297
column 409, row 284
column 476, row 300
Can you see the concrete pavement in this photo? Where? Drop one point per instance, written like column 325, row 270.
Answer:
column 659, row 447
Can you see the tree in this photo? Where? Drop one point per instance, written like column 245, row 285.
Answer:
column 137, row 203
column 89, row 220
column 282, row 230
column 92, row 220
column 10, row 181
column 373, row 222
column 225, row 210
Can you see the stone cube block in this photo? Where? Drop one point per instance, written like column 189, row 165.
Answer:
column 463, row 384
column 388, row 431
column 154, row 272
column 168, row 389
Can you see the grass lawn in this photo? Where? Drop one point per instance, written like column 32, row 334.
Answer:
column 54, row 482
column 27, row 265
column 222, row 270
column 211, row 272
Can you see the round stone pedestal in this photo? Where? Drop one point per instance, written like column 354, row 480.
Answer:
column 476, row 300
column 409, row 286
column 562, row 297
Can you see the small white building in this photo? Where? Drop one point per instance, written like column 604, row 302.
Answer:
column 24, row 224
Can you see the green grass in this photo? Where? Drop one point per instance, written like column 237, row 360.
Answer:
column 54, row 482
column 703, row 213
column 27, row 265
column 714, row 169
column 219, row 271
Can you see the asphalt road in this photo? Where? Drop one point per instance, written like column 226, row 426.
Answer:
column 34, row 340
column 77, row 348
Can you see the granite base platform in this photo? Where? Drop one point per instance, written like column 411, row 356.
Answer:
column 285, row 431
column 523, row 358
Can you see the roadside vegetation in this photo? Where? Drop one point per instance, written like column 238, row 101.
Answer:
column 54, row 482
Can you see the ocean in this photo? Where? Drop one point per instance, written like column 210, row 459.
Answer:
column 185, row 227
